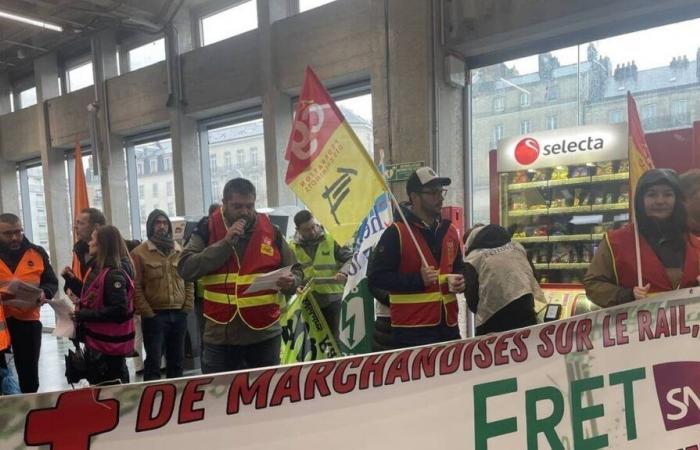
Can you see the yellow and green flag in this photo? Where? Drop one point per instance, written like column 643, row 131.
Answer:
column 639, row 156
column 329, row 169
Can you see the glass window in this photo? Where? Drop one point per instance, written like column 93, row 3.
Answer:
column 499, row 104
column 141, row 192
column 139, row 167
column 79, row 77
column 525, row 127
column 254, row 156
column 152, row 151
column 305, row 5
column 27, row 97
column 229, row 22
column 583, row 84
column 147, row 54
column 524, row 99
column 167, row 163
column 228, row 139
column 228, row 162
column 171, row 209
column 358, row 112
column 616, row 116
column 153, row 165
column 92, row 182
column 169, row 188
column 37, row 207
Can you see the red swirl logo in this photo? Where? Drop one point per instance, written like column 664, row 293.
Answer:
column 527, row 151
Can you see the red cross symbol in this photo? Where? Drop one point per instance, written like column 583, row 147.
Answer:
column 77, row 417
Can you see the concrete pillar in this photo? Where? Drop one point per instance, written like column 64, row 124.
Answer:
column 109, row 147
column 46, row 77
column 9, row 193
column 53, row 165
column 276, row 106
column 189, row 195
column 5, row 94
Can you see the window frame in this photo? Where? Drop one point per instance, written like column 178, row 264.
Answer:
column 75, row 64
column 244, row 115
column 210, row 9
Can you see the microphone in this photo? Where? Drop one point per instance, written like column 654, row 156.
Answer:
column 234, row 240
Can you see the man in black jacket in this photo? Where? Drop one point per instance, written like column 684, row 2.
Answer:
column 426, row 193
column 87, row 221
column 20, row 259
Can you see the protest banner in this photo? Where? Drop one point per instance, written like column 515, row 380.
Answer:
column 624, row 378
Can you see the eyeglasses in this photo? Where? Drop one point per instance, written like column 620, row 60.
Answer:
column 434, row 193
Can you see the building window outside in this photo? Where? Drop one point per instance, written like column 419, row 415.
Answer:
column 616, row 116
column 525, row 127
column 305, row 5
column 141, row 192
column 229, row 22
column 228, row 162
column 497, row 135
column 27, row 97
column 152, row 151
column 233, row 138
column 524, row 99
column 147, row 54
column 358, row 112
column 499, row 104
column 212, row 162
column 254, row 156
column 79, row 77
column 169, row 188
column 171, row 209
column 585, row 87
column 139, row 167
column 167, row 163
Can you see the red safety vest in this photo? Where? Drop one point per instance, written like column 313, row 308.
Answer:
column 224, row 289
column 4, row 332
column 29, row 270
column 622, row 248
column 110, row 338
column 424, row 309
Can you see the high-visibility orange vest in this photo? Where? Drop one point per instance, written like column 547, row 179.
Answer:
column 4, row 332
column 29, row 270
column 224, row 289
column 424, row 309
column 622, row 248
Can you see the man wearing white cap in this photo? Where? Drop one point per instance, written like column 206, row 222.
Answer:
column 418, row 260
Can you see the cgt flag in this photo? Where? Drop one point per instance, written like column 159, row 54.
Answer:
column 639, row 156
column 329, row 169
column 80, row 201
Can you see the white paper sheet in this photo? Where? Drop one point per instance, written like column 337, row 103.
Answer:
column 268, row 281
column 25, row 295
column 65, row 327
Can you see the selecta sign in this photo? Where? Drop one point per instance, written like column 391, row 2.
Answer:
column 564, row 147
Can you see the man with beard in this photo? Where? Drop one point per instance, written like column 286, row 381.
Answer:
column 24, row 261
column 422, row 294
column 87, row 221
column 163, row 298
column 227, row 251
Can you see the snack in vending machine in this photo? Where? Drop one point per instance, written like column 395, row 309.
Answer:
column 520, row 177
column 560, row 173
column 605, row 168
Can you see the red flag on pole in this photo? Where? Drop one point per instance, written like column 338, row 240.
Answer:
column 80, row 199
column 640, row 162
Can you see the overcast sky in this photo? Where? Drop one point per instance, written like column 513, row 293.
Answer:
column 654, row 47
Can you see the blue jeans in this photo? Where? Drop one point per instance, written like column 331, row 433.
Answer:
column 226, row 358
column 164, row 331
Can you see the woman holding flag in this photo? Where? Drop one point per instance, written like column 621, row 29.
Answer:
column 670, row 255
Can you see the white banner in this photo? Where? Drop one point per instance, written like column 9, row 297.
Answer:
column 623, row 378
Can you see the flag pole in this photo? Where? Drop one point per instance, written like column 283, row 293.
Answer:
column 638, row 255
column 408, row 227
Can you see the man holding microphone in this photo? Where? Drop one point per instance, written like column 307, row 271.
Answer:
column 227, row 251
column 418, row 260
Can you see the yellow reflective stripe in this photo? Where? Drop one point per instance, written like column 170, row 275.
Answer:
column 449, row 298
column 233, row 278
column 326, row 266
column 429, row 297
column 241, row 302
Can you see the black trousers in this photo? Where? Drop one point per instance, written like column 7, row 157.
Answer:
column 26, row 347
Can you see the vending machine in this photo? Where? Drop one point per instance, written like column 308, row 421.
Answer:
column 558, row 192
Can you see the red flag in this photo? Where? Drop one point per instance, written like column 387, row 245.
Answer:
column 80, row 201
column 639, row 156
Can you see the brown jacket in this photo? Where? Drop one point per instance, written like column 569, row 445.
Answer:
column 158, row 285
